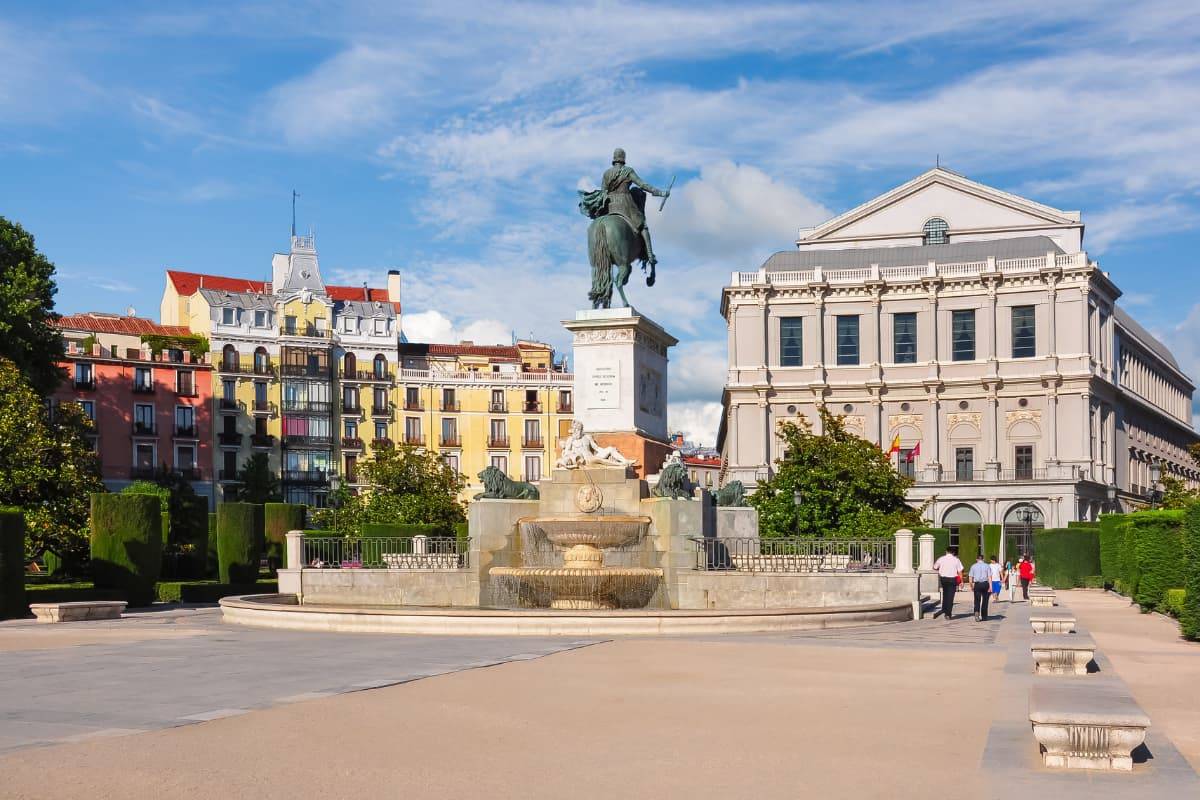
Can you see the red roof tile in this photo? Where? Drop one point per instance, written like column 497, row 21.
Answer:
column 488, row 350
column 188, row 283
column 702, row 461
column 111, row 323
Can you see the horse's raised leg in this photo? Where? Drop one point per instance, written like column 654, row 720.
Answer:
column 622, row 279
column 650, row 277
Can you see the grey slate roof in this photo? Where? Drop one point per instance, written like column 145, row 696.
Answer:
column 360, row 308
column 1144, row 337
column 911, row 255
column 253, row 300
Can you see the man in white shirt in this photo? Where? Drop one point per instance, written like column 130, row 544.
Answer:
column 981, row 585
column 949, row 570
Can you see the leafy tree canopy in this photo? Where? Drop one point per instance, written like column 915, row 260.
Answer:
column 49, row 469
column 848, row 487
column 28, row 337
column 258, row 482
column 408, row 485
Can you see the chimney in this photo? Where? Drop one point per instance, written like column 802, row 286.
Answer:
column 279, row 268
column 393, row 286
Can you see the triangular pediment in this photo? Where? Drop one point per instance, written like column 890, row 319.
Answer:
column 966, row 206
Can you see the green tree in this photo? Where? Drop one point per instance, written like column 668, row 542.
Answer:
column 28, row 336
column 409, row 486
column 1176, row 494
column 49, row 469
column 848, row 487
column 259, row 483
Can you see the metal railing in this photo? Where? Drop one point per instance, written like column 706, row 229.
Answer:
column 452, row 406
column 263, row 407
column 382, row 443
column 498, row 442
column 530, row 443
column 909, row 272
column 185, row 431
column 451, row 441
column 440, row 377
column 414, row 405
column 307, row 406
column 415, row 552
column 229, row 438
column 85, row 383
column 532, row 406
column 566, row 408
column 144, row 429
column 262, row 440
column 305, row 476
column 305, row 371
column 306, row 440
column 143, row 388
column 385, row 376
column 794, row 554
column 352, row 443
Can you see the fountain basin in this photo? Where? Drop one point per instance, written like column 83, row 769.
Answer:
column 604, row 531
column 579, row 588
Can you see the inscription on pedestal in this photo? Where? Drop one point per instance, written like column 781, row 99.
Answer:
column 606, row 386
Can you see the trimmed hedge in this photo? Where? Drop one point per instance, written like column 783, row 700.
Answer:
column 1173, row 602
column 211, row 564
column 278, row 519
column 388, row 530
column 127, row 544
column 12, row 563
column 941, row 538
column 1112, row 541
column 208, row 591
column 991, row 542
column 968, row 544
column 1066, row 556
column 1189, row 617
column 1158, row 555
column 239, row 541
column 190, row 530
column 70, row 593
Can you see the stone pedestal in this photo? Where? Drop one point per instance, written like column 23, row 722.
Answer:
column 620, row 364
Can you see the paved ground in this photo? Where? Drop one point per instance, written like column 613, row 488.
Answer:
column 877, row 712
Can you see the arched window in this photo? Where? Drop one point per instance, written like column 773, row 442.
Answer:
column 229, row 358
column 349, row 365
column 1020, row 523
column 936, row 231
column 262, row 361
column 380, row 366
column 959, row 517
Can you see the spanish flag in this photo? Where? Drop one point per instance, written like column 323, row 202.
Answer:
column 895, row 448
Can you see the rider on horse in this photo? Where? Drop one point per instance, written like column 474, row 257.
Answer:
column 615, row 197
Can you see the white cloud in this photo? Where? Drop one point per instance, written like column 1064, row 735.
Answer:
column 434, row 326
column 1120, row 222
column 697, row 421
column 697, row 371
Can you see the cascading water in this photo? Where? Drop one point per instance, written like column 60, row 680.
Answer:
column 592, row 561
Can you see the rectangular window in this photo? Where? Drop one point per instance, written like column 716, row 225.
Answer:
column 497, row 400
column 449, row 401
column 533, row 433
column 500, row 463
column 143, row 456
column 908, row 463
column 412, row 430
column 143, row 418
column 962, row 335
column 381, row 430
column 451, row 460
column 498, row 433
column 904, row 338
column 142, row 379
column 847, row 340
column 83, row 374
column 348, row 324
column 89, row 408
column 1024, row 338
column 1023, row 461
column 260, row 395
column 351, row 471
column 228, row 390
column 564, row 402
column 228, row 316
column 412, row 398
column 289, row 325
column 260, row 426
column 185, row 382
column 381, row 399
column 349, row 398
column 260, row 319
column 229, row 467
column 320, row 323
column 229, row 423
column 380, row 327
column 185, row 419
column 450, row 432
column 964, row 463
column 185, row 457
column 350, row 429
column 791, row 341
column 533, row 468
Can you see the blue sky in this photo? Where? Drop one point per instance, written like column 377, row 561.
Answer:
column 447, row 140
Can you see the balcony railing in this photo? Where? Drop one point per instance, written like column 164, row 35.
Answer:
column 450, row 441
column 307, row 331
column 498, row 408
column 563, row 379
column 415, row 552
column 354, row 410
column 188, row 473
column 414, row 405
column 566, row 408
column 306, row 440
column 307, row 406
column 228, row 475
column 229, row 439
column 313, row 476
column 415, row 439
column 187, row 390
column 384, row 376
column 238, row 368
column 532, row 406
column 144, row 429
column 85, row 384
column 143, row 388
column 1065, row 472
column 263, row 407
column 144, row 473
column 304, row 371
column 533, row 444
column 381, row 412
column 352, row 443
column 909, row 273
column 185, row 431
column 451, row 407
column 226, row 404
column 262, row 440
column 382, row 443
column 794, row 554
column 498, row 442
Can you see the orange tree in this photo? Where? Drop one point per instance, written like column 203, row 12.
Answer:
column 848, row 486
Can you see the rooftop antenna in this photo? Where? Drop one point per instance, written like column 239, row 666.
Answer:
column 937, row 160
column 295, row 194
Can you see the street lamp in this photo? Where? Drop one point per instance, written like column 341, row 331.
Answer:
column 1026, row 515
column 796, row 499
column 335, row 483
column 1112, row 498
column 1155, row 477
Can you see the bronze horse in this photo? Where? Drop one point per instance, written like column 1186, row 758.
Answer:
column 613, row 243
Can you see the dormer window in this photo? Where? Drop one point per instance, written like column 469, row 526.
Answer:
column 380, row 327
column 228, row 316
column 936, row 231
column 349, row 324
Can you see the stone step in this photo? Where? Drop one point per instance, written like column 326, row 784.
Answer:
column 77, row 611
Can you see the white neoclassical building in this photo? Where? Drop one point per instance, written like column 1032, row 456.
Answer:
column 971, row 323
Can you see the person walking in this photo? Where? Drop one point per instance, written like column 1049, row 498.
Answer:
column 981, row 586
column 949, row 570
column 1012, row 579
column 997, row 578
column 1025, row 570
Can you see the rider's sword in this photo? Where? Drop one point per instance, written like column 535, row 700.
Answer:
column 664, row 200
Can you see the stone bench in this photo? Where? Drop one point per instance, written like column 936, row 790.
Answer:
column 75, row 612
column 1041, row 599
column 1086, row 724
column 1062, row 653
column 1052, row 621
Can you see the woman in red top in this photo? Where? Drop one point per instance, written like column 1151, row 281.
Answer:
column 1025, row 570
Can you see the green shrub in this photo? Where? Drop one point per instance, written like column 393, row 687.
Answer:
column 1094, row 582
column 941, row 538
column 1083, row 523
column 390, row 530
column 12, row 563
column 164, row 525
column 151, row 488
column 968, row 544
column 1065, row 556
column 189, row 532
column 239, row 541
column 127, row 544
column 1173, row 602
column 71, row 593
column 211, row 563
column 1158, row 554
column 208, row 591
column 1189, row 617
column 278, row 519
column 1112, row 541
column 991, row 542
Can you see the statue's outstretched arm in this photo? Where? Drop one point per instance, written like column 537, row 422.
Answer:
column 633, row 176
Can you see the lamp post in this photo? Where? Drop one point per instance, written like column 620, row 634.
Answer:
column 796, row 499
column 1155, row 477
column 335, row 483
column 1112, row 498
column 1026, row 515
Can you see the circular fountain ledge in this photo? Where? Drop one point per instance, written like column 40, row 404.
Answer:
column 281, row 611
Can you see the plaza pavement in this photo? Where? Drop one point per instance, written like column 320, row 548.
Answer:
column 908, row 710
